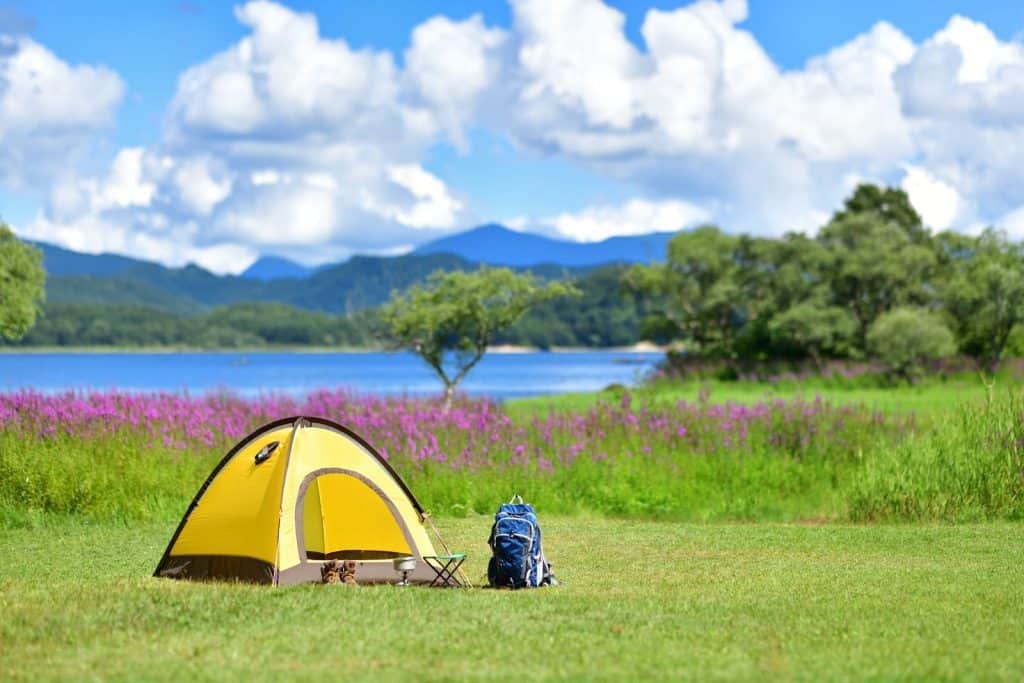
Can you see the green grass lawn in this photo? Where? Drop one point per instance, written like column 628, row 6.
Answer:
column 640, row 600
column 928, row 399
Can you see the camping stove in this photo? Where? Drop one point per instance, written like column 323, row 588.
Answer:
column 404, row 565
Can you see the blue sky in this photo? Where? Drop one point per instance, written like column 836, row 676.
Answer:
column 584, row 163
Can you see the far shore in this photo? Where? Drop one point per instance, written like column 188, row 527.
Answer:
column 642, row 347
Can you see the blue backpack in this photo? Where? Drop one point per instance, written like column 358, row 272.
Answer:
column 517, row 556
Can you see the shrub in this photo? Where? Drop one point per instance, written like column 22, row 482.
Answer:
column 905, row 338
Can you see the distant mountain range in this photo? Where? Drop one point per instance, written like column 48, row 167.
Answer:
column 274, row 268
column 497, row 245
column 61, row 261
column 360, row 282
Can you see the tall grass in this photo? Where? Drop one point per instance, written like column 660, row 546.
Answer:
column 127, row 456
column 969, row 467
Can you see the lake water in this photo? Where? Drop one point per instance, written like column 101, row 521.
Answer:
column 248, row 374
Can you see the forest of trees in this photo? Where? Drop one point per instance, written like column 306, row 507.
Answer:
column 874, row 282
column 238, row 326
column 601, row 317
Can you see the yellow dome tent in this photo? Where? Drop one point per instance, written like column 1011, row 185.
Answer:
column 291, row 495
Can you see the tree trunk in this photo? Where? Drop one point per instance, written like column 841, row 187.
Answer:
column 816, row 357
column 449, row 394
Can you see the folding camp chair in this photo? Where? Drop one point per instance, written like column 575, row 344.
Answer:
column 445, row 567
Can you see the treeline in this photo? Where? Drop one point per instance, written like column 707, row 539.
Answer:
column 237, row 326
column 874, row 282
column 601, row 316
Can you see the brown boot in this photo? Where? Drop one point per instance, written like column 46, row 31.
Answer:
column 330, row 572
column 348, row 573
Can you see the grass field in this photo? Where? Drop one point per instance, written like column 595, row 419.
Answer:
column 640, row 600
column 780, row 587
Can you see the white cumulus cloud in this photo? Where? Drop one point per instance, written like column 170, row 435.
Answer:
column 126, row 185
column 1013, row 223
column 49, row 110
column 703, row 113
column 938, row 203
column 433, row 206
column 963, row 96
column 450, row 64
column 201, row 184
column 288, row 142
column 635, row 217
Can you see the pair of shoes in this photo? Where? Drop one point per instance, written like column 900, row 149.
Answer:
column 334, row 572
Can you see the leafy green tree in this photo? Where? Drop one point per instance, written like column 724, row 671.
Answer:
column 887, row 205
column 816, row 328
column 954, row 248
column 786, row 272
column 952, row 251
column 776, row 275
column 876, row 265
column 22, row 279
column 452, row 320
column 985, row 296
column 1015, row 342
column 696, row 292
column 905, row 338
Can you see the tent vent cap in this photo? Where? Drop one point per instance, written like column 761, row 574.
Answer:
column 265, row 452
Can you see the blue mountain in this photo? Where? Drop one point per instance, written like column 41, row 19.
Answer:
column 491, row 243
column 60, row 261
column 497, row 245
column 274, row 268
column 358, row 283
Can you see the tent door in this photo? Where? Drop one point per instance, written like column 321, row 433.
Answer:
column 343, row 516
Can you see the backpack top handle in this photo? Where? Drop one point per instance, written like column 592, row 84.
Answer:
column 516, row 498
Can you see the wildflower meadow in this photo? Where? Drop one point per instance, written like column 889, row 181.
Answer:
column 115, row 455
